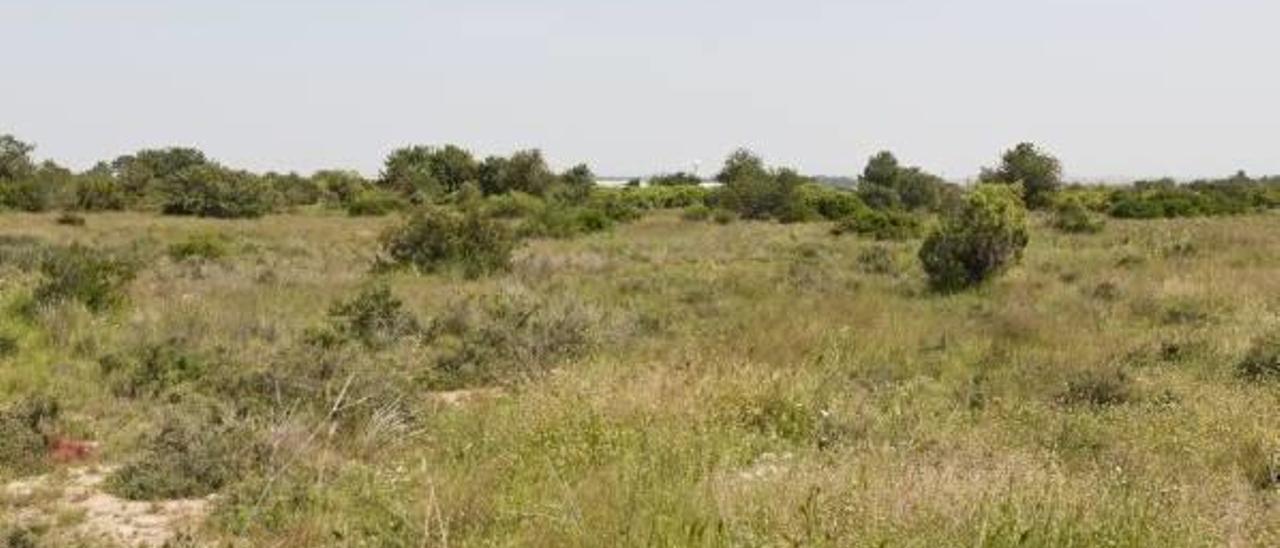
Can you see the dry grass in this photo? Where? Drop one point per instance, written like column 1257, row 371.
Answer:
column 749, row 384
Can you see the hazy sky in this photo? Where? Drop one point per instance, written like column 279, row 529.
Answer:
column 1114, row 87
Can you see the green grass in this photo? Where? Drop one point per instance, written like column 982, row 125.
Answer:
column 741, row 384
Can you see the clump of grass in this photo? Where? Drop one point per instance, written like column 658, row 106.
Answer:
column 877, row 259
column 205, row 246
column 1262, row 362
column 1260, row 464
column 696, row 213
column 68, row 218
column 78, row 273
column 1098, row 388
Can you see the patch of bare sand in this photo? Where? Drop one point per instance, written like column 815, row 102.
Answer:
column 73, row 506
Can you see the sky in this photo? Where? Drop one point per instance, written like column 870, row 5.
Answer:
column 1115, row 88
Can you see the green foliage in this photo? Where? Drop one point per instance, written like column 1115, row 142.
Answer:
column 374, row 202
column 513, row 205
column 678, row 178
column 525, row 171
column 566, row 221
column 724, row 216
column 435, row 238
column 980, row 240
column 428, row 172
column 885, row 224
column 1071, row 216
column 150, row 171
column 15, row 159
column 23, row 425
column 375, row 318
column 1039, row 173
column 1263, row 359
column 697, row 212
column 153, row 369
column 575, row 184
column 1167, row 199
column 203, row 246
column 97, row 190
column 886, row 184
column 340, row 186
column 82, row 274
column 209, row 190
column 185, row 458
column 291, row 189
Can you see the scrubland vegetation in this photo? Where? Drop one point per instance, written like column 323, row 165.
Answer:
column 469, row 352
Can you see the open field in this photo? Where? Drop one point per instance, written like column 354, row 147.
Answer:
column 677, row 383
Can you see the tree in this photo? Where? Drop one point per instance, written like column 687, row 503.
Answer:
column 679, row 178
column 982, row 238
column 15, row 159
column 886, row 184
column 149, row 169
column 1039, row 173
column 742, row 165
column 211, row 190
column 408, row 171
column 576, row 183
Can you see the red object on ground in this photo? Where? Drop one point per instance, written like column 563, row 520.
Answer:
column 69, row 450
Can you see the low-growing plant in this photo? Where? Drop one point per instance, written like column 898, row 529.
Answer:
column 78, row 273
column 724, row 216
column 374, row 203
column 698, row 212
column 980, row 240
column 436, row 238
column 23, row 427
column 1098, row 388
column 881, row 224
column 1260, row 463
column 154, row 369
column 185, row 458
column 1262, row 362
column 374, row 317
column 68, row 218
column 203, row 246
column 1071, row 216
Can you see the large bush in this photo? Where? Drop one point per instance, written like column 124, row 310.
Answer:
column 436, row 238
column 885, row 224
column 1071, row 216
column 985, row 236
column 1039, row 174
column 208, row 190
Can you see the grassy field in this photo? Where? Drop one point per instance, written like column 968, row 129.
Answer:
column 677, row 383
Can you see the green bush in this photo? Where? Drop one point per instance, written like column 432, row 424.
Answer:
column 154, row 369
column 513, row 205
column 23, row 425
column 208, row 190
column 978, row 241
column 1263, row 360
column 81, row 274
column 206, row 246
column 1071, row 216
column 697, row 212
column 185, row 458
column 375, row 318
column 374, row 203
column 724, row 216
column 435, row 238
column 25, row 195
column 881, row 224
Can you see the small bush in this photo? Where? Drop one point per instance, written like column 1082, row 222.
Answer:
column 698, row 212
column 1071, row 216
column 68, row 218
column 185, row 458
column 8, row 345
column 208, row 247
column 885, row 224
column 513, row 205
column 566, row 221
column 978, row 241
column 153, row 370
column 1098, row 388
column 724, row 216
column 436, row 238
column 375, row 318
column 81, row 274
column 1263, row 360
column 877, row 260
column 22, row 434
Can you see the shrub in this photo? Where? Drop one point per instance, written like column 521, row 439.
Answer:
column 374, row 317
column 513, row 205
column 22, row 433
column 724, row 216
column 1038, row 173
column 434, row 238
column 81, row 274
column 1263, row 360
column 1098, row 388
column 978, row 241
column 696, row 213
column 153, row 370
column 1073, row 217
column 679, row 178
column 567, row 221
column 208, row 247
column 877, row 260
column 885, row 224
column 99, row 192
column 68, row 218
column 25, row 195
column 374, row 203
column 208, row 190
column 185, row 458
